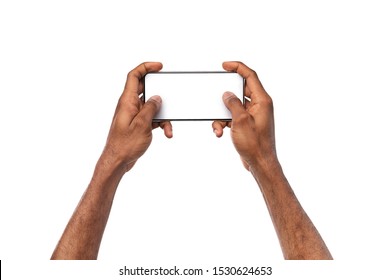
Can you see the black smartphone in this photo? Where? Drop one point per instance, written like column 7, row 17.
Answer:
column 193, row 95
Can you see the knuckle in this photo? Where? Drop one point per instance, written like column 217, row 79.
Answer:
column 232, row 99
column 127, row 106
column 149, row 108
column 131, row 73
column 138, row 123
column 253, row 74
column 152, row 103
column 121, row 101
column 268, row 101
column 243, row 118
column 137, row 72
column 124, row 103
column 239, row 62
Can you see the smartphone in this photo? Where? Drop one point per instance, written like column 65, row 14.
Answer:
column 193, row 95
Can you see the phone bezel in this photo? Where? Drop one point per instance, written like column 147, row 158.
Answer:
column 194, row 72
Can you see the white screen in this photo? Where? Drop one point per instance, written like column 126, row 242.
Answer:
column 193, row 95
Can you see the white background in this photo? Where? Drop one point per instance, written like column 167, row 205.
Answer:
column 188, row 201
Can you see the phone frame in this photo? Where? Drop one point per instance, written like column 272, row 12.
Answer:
column 194, row 72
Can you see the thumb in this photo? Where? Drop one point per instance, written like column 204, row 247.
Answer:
column 233, row 104
column 150, row 109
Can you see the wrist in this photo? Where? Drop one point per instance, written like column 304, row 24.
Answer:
column 264, row 162
column 112, row 165
column 266, row 169
column 115, row 162
column 109, row 170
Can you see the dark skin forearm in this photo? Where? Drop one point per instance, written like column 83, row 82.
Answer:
column 83, row 234
column 298, row 237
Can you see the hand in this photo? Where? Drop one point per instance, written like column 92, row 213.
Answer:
column 131, row 129
column 252, row 125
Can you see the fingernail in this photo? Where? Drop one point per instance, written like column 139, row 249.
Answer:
column 228, row 94
column 156, row 98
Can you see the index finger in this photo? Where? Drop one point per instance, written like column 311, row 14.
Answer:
column 255, row 89
column 135, row 75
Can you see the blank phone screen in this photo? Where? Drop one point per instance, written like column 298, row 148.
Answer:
column 193, row 95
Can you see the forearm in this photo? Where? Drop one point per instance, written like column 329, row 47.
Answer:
column 298, row 237
column 82, row 236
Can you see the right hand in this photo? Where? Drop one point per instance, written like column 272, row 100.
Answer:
column 131, row 129
column 252, row 125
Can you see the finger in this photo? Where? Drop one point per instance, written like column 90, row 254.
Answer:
column 149, row 110
column 130, row 96
column 255, row 89
column 167, row 127
column 233, row 104
column 218, row 127
column 134, row 77
column 125, row 113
